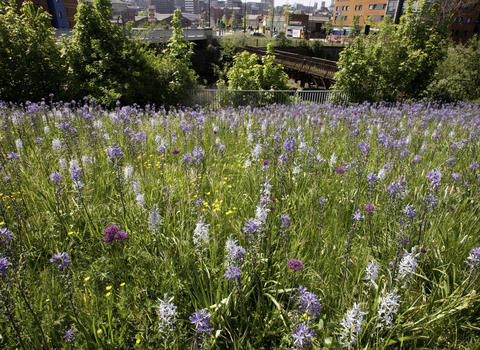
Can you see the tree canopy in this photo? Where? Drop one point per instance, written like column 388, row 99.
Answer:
column 400, row 60
column 31, row 65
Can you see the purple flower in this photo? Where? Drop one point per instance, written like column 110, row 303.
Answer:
column 251, row 226
column 201, row 322
column 364, row 148
column 285, row 220
column 38, row 140
column 233, row 273
column 115, row 153
column 357, row 216
column 112, row 230
column 473, row 166
column 423, row 250
column 62, row 259
column 340, row 171
column 187, row 158
column 175, row 151
column 108, row 238
column 295, row 265
column 410, row 211
column 474, row 259
column 322, row 201
column 451, row 161
column 120, row 236
column 56, row 177
column 161, row 149
column 302, row 336
column 372, row 178
column 289, row 145
column 452, row 208
column 308, row 305
column 434, row 177
column 4, row 264
column 370, row 208
column 5, row 235
column 198, row 153
column 12, row 156
column 456, row 177
column 266, row 162
column 69, row 334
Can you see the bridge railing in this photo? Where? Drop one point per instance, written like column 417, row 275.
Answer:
column 258, row 98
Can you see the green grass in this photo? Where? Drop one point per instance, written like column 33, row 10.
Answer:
column 111, row 296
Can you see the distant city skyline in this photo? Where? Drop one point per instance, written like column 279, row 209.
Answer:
column 303, row 2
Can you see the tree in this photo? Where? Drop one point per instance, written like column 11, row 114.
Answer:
column 107, row 65
column 31, row 65
column 327, row 25
column 399, row 61
column 287, row 14
column 458, row 77
column 224, row 19
column 352, row 29
column 248, row 74
column 233, row 21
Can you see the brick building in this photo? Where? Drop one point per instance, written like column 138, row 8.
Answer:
column 465, row 21
column 62, row 11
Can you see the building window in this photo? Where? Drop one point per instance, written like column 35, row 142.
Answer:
column 341, row 18
column 377, row 7
column 358, row 7
column 342, row 8
column 60, row 15
column 459, row 33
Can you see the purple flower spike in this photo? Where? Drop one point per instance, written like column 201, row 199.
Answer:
column 266, row 162
column 62, row 259
column 340, row 171
column 295, row 265
column 370, row 208
column 108, row 238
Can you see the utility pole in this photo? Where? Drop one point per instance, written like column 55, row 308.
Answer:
column 209, row 14
column 244, row 19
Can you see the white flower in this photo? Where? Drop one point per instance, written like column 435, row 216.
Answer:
column 167, row 312
column 128, row 172
column 352, row 326
column 382, row 174
column 333, row 160
column 371, row 272
column 200, row 234
column 388, row 307
column 407, row 267
column 56, row 144
column 46, row 130
column 19, row 145
column 257, row 150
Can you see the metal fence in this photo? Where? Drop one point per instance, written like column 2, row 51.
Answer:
column 258, row 98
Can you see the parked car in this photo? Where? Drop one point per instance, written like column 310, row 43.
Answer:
column 333, row 40
column 257, row 34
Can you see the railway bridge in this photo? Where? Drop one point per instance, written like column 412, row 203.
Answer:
column 317, row 73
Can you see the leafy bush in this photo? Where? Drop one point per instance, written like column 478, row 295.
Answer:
column 31, row 65
column 458, row 77
column 400, row 61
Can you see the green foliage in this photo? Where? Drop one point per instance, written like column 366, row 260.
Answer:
column 247, row 74
column 115, row 286
column 177, row 64
column 398, row 62
column 458, row 77
column 281, row 40
column 107, row 65
column 31, row 65
column 233, row 21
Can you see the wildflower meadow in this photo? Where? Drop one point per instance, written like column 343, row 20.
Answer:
column 329, row 226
